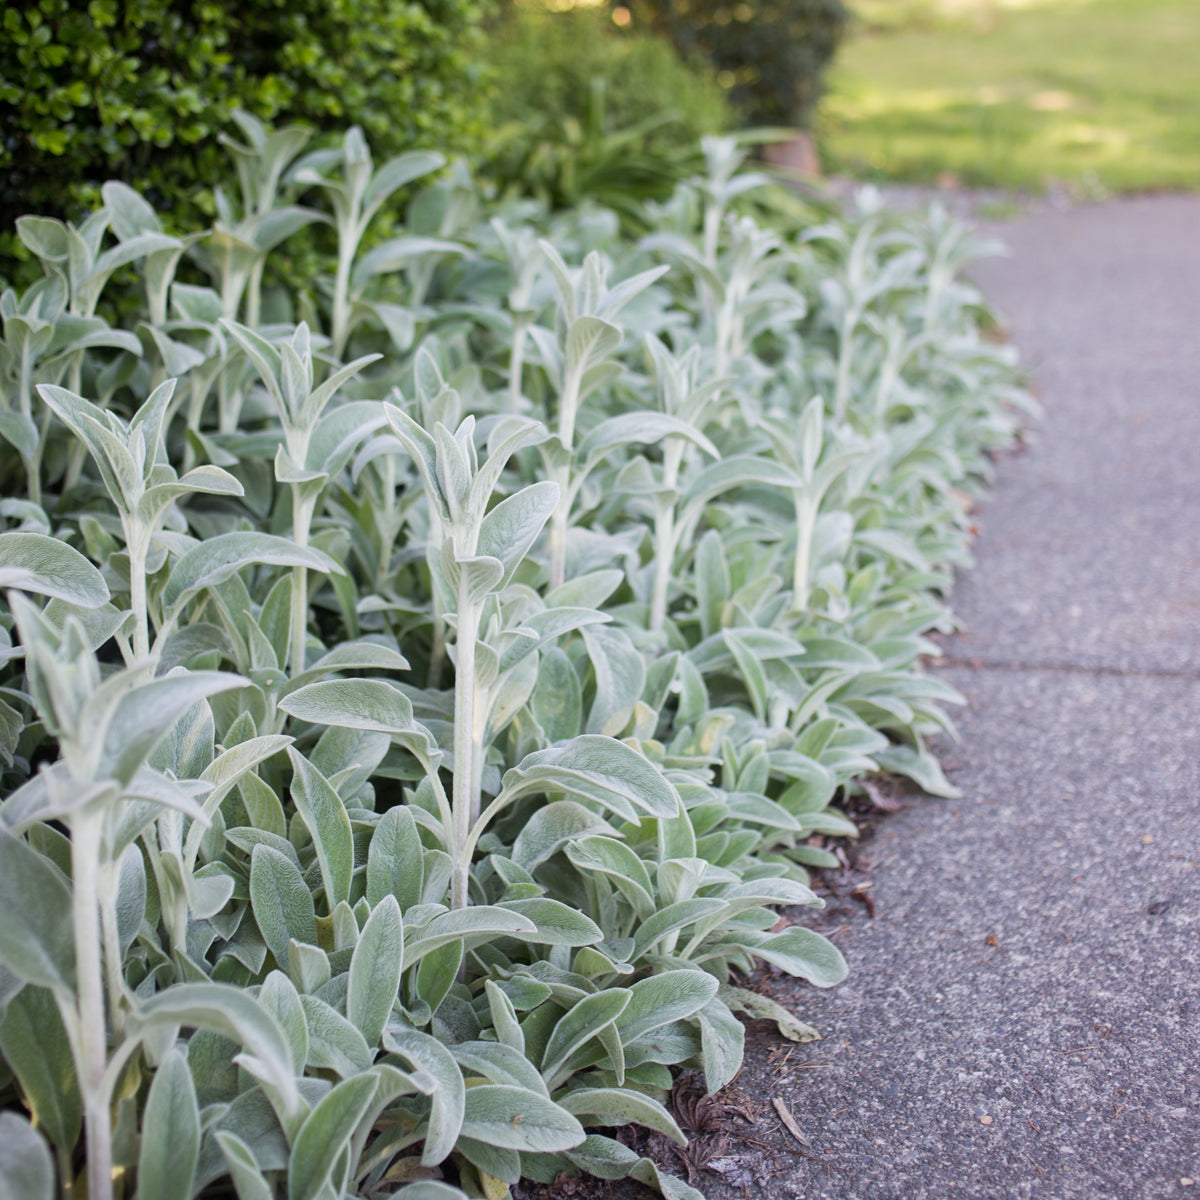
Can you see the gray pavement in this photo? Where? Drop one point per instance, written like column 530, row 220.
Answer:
column 1022, row 1018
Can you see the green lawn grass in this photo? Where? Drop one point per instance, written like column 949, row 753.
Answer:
column 1098, row 95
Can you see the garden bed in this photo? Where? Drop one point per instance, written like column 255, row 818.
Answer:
column 427, row 681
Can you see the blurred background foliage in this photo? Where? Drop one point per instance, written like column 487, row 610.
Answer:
column 770, row 55
column 1094, row 95
column 568, row 99
column 582, row 106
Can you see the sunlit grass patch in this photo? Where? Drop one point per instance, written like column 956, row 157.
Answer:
column 1019, row 93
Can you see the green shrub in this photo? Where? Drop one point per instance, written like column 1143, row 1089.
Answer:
column 92, row 90
column 583, row 108
column 771, row 55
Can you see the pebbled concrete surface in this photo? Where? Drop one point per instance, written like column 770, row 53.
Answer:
column 1022, row 1018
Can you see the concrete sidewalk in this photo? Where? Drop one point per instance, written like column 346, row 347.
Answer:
column 1022, row 1017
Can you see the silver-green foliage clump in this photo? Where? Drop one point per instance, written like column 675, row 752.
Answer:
column 413, row 713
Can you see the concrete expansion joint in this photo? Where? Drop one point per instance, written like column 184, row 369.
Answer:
column 1065, row 668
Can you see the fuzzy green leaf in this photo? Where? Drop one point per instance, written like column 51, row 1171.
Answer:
column 281, row 901
column 170, row 1146
column 319, row 1162
column 518, row 1119
column 49, row 567
column 35, row 936
column 216, row 559
column 375, row 970
column 26, row 1168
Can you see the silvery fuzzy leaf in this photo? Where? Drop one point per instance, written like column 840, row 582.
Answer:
column 394, row 860
column 20, row 431
column 140, row 245
column 555, row 923
column 734, row 471
column 170, row 1146
column 518, row 1119
column 588, row 590
column 26, row 1168
column 801, row 952
column 375, row 970
column 619, row 1106
column 509, row 530
column 648, row 1172
column 37, row 1051
column 278, row 995
column 281, row 901
column 322, row 810
column 398, row 253
column 603, row 1157
column 672, row 918
column 429, row 1189
column 552, row 623
column 142, row 715
column 506, row 1025
column 480, row 921
column 197, row 638
column 44, row 237
column 722, row 1038
column 552, row 827
column 217, row 559
column 623, row 867
column 248, row 1180
column 339, row 431
column 447, row 1092
column 920, row 766
column 368, row 704
column 557, row 701
column 246, row 838
column 49, row 567
column 636, row 429
column 582, row 1022
column 308, row 967
column 492, row 1162
column 234, row 1014
column 434, row 978
column 334, row 1044
column 36, row 941
column 600, row 769
column 178, row 358
column 511, row 695
column 498, row 1062
column 764, row 1008
column 620, row 671
column 318, row 1165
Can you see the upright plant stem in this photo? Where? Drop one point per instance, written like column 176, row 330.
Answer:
column 516, row 363
column 302, row 510
column 558, row 530
column 113, row 976
column 841, row 395
column 340, row 319
column 437, row 650
column 567, row 405
column 806, row 518
column 465, row 797
column 137, row 549
column 664, row 536
column 33, row 464
column 89, row 984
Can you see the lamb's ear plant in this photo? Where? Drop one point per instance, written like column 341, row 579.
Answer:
column 355, row 197
column 314, row 449
column 579, row 358
column 141, row 484
column 395, row 799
